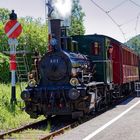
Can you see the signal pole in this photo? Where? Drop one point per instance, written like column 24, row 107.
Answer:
column 13, row 29
column 13, row 44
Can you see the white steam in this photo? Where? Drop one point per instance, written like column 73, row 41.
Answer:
column 63, row 7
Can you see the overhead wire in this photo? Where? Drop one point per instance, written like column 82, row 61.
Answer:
column 136, row 4
column 117, row 6
column 106, row 12
column 114, row 21
column 138, row 16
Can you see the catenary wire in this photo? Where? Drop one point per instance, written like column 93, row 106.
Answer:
column 114, row 21
column 110, row 18
column 117, row 6
column 136, row 4
column 138, row 16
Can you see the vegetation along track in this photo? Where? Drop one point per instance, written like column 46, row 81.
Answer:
column 58, row 125
column 53, row 124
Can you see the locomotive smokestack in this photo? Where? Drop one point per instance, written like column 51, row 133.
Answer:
column 56, row 31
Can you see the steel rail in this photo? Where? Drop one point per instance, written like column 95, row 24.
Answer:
column 70, row 126
column 22, row 128
column 60, row 131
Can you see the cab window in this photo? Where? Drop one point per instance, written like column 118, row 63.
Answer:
column 95, row 48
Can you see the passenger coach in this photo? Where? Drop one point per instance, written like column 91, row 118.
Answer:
column 116, row 64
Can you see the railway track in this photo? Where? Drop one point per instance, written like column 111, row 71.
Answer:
column 22, row 128
column 58, row 124
column 76, row 123
column 60, row 131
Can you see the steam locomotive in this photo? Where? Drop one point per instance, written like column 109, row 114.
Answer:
column 81, row 74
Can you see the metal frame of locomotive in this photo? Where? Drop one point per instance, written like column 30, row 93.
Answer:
column 77, row 78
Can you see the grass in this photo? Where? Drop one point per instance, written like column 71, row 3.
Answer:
column 30, row 134
column 12, row 116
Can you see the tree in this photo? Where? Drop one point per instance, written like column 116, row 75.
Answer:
column 4, row 68
column 4, row 15
column 134, row 43
column 34, row 35
column 77, row 19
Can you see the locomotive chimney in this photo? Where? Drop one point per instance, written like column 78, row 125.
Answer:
column 56, row 31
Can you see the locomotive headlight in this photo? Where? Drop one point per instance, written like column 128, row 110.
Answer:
column 73, row 94
column 73, row 72
column 32, row 83
column 74, row 81
column 25, row 95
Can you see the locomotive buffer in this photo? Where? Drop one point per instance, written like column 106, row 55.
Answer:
column 137, row 88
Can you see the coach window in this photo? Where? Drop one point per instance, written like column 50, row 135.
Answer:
column 95, row 48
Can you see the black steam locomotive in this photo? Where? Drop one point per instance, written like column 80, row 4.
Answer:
column 79, row 78
column 64, row 78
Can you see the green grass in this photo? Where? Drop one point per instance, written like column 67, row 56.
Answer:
column 30, row 134
column 12, row 116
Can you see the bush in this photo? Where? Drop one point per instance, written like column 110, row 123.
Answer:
column 4, row 68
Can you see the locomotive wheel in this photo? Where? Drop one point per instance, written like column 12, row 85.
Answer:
column 101, row 99
column 98, row 99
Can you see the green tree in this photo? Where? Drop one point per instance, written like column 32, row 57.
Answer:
column 134, row 43
column 77, row 19
column 34, row 35
column 3, row 38
column 4, row 15
column 4, row 68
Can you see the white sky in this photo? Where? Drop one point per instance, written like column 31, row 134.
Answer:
column 96, row 21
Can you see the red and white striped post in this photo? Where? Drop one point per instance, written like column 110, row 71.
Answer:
column 13, row 29
column 13, row 43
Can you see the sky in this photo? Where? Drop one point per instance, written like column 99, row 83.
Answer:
column 125, row 13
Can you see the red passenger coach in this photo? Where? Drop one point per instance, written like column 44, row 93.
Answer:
column 125, row 64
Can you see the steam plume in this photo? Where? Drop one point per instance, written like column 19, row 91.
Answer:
column 63, row 7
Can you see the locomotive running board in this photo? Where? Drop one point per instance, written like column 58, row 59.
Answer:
column 94, row 84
